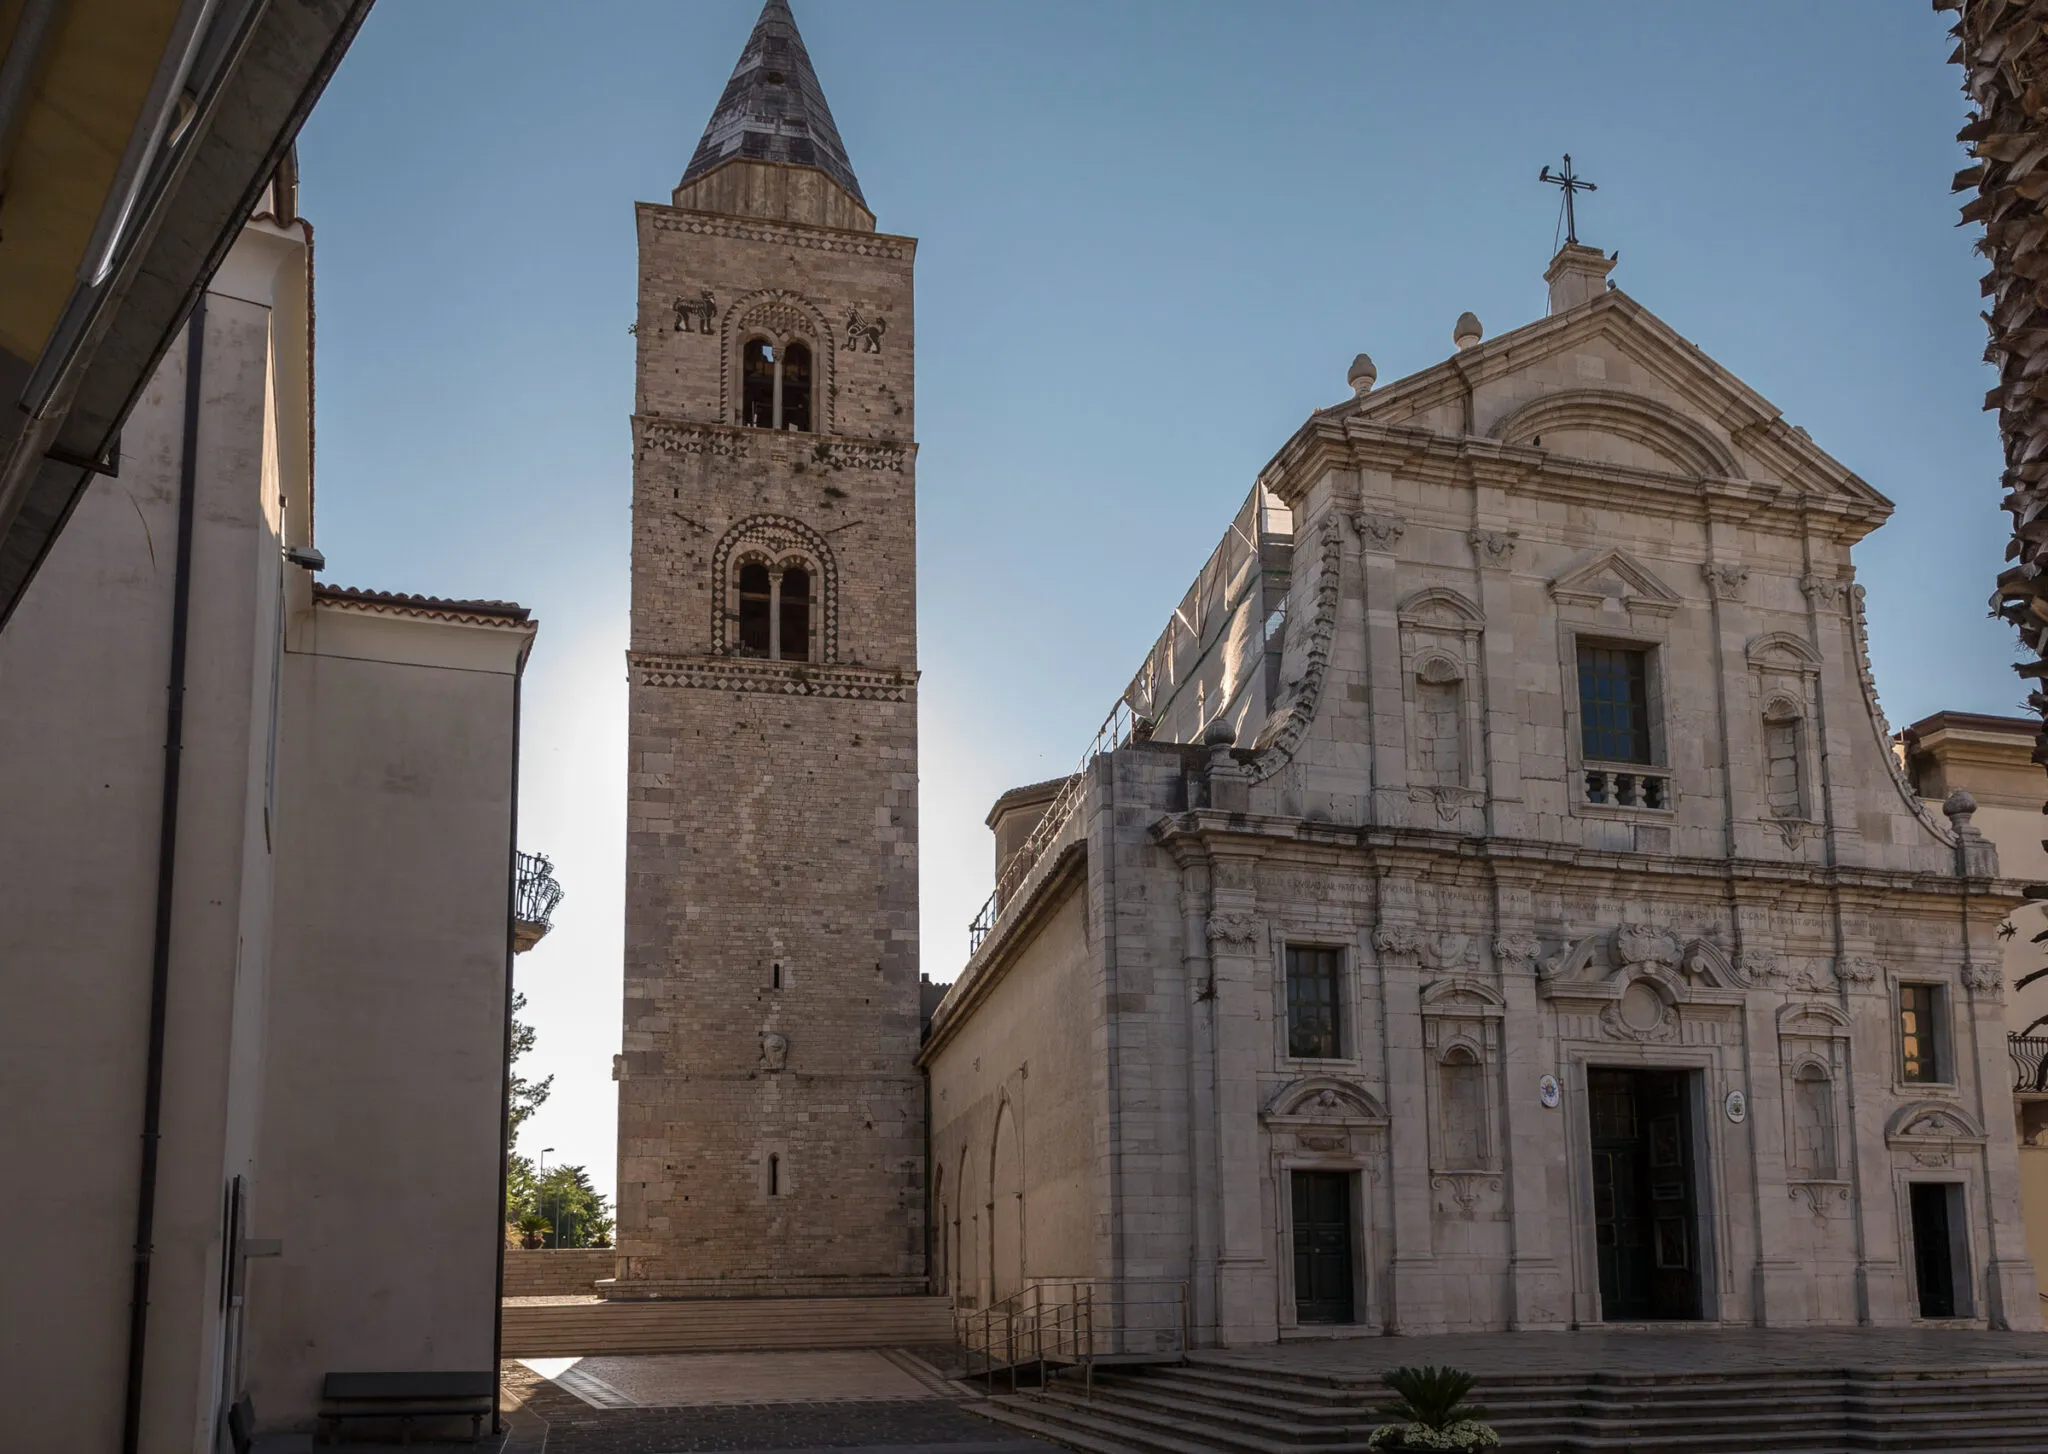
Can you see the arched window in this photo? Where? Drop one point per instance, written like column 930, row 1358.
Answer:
column 796, row 387
column 793, row 641
column 775, row 385
column 1461, row 1085
column 757, row 384
column 1813, row 1124
column 757, row 595
column 775, row 612
column 1784, row 792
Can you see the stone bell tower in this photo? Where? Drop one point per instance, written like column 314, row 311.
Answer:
column 771, row 1123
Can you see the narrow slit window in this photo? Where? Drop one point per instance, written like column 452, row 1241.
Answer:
column 795, row 609
column 1614, row 703
column 796, row 387
column 756, row 598
column 775, row 1176
column 757, row 384
column 1314, row 1012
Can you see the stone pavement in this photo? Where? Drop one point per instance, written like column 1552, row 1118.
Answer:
column 1677, row 1349
column 847, row 1402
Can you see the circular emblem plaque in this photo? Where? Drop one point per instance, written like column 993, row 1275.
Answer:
column 1738, row 1107
column 1549, row 1091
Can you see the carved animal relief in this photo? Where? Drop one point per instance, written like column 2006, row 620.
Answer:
column 694, row 315
column 864, row 334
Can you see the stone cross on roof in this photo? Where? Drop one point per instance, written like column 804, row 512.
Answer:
column 773, row 109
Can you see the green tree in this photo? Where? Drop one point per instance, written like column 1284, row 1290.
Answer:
column 527, row 1095
column 562, row 1208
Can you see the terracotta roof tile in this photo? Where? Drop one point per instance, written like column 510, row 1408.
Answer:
column 400, row 603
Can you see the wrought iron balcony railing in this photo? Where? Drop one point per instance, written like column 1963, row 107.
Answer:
column 538, row 893
column 2029, row 1062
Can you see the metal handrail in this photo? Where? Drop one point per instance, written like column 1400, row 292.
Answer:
column 1075, row 1322
column 1116, row 729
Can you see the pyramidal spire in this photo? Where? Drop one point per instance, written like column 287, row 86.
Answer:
column 774, row 110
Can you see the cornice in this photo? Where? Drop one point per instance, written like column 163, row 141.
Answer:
column 1329, row 442
column 657, row 433
column 779, row 678
column 792, row 234
column 1201, row 833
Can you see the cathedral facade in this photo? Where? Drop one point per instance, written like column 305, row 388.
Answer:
column 771, row 1123
column 1502, row 907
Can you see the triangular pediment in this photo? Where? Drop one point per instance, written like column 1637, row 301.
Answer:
column 1611, row 384
column 1614, row 578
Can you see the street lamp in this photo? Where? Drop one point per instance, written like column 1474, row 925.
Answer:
column 544, row 1188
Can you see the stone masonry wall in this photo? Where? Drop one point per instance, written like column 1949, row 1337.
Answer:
column 771, row 1115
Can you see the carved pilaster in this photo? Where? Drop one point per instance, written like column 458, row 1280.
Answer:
column 1378, row 531
column 1494, row 549
column 1726, row 580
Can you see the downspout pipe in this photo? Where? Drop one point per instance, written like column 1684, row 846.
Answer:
column 505, row 1092
column 166, row 883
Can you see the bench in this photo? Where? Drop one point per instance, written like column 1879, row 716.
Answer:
column 408, row 1396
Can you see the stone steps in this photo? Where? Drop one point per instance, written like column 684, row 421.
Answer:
column 559, row 1328
column 1216, row 1407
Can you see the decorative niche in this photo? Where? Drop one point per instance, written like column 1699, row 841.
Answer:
column 1443, row 693
column 1784, row 679
column 1813, row 1063
column 1461, row 1040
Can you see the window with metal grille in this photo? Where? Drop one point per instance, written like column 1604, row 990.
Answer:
column 1920, row 1032
column 1614, row 703
column 1314, row 1016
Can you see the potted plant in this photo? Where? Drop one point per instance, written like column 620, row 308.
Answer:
column 533, row 1230
column 1429, row 1412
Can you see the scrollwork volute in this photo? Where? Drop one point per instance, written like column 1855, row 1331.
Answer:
column 1757, row 966
column 1233, row 931
column 1516, row 951
column 1396, row 941
column 1494, row 548
column 1378, row 532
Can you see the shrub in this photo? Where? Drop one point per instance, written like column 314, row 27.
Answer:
column 1430, row 1412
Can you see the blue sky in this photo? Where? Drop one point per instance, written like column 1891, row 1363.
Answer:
column 1153, row 235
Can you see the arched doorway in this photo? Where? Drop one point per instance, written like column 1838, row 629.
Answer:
column 1006, row 1208
column 941, row 1264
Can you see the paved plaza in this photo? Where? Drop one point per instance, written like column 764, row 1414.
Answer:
column 850, row 1402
